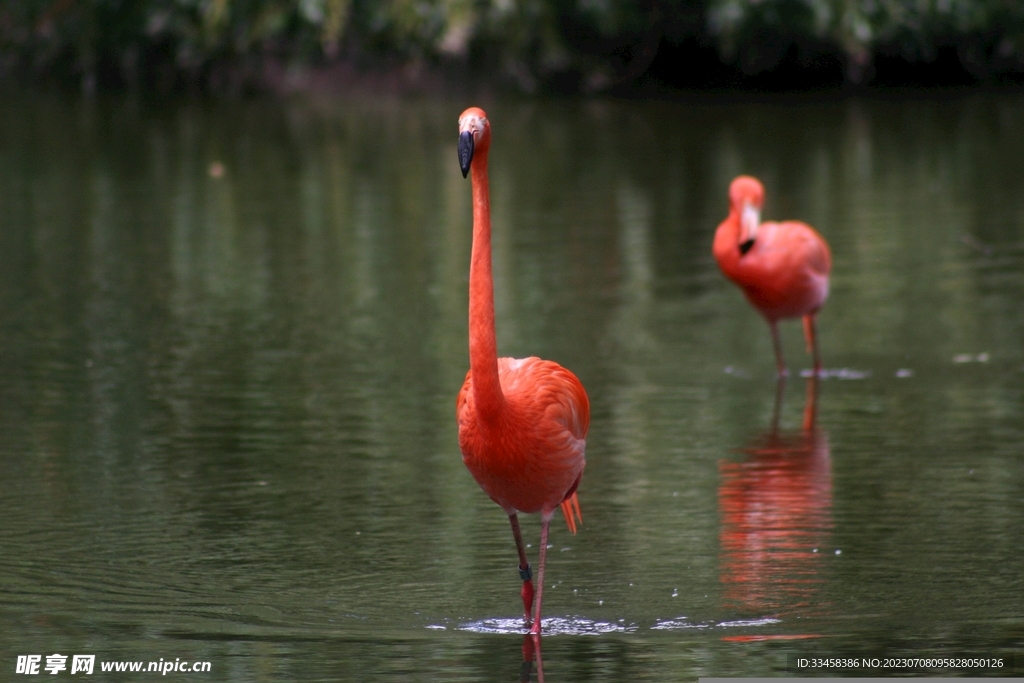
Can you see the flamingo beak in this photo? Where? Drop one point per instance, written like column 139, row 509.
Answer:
column 749, row 220
column 465, row 151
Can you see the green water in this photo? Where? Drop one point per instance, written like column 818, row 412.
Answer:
column 227, row 426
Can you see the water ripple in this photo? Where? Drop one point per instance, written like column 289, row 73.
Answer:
column 682, row 623
column 553, row 626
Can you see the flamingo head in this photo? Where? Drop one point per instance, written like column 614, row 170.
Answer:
column 746, row 197
column 474, row 136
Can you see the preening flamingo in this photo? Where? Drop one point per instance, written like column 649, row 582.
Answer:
column 782, row 268
column 522, row 421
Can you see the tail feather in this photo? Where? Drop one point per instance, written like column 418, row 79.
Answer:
column 571, row 510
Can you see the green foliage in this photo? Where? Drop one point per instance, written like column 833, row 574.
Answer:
column 530, row 42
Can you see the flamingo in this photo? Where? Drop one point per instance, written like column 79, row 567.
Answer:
column 782, row 268
column 522, row 421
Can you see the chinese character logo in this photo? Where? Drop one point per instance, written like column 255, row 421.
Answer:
column 28, row 664
column 82, row 664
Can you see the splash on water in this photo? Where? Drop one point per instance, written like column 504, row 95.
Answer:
column 837, row 373
column 683, row 623
column 747, row 623
column 677, row 623
column 553, row 626
column 971, row 358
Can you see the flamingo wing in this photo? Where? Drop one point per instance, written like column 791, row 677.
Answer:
column 813, row 248
column 785, row 274
column 532, row 460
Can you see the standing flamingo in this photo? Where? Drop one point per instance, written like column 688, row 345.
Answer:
column 782, row 268
column 522, row 421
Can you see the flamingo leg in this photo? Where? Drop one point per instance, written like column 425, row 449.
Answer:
column 780, row 390
column 525, row 573
column 811, row 337
column 531, row 652
column 780, row 362
column 540, row 660
column 545, row 522
column 811, row 406
column 526, row 669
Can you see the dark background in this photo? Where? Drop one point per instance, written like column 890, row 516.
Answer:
column 233, row 47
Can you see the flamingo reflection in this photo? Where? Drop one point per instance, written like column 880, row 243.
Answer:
column 531, row 654
column 776, row 509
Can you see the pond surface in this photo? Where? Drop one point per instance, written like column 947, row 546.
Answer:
column 231, row 336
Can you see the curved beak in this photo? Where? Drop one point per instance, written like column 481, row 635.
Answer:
column 465, row 151
column 749, row 220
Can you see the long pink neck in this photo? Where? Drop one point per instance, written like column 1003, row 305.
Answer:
column 483, row 344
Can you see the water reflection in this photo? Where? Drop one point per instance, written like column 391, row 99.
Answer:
column 226, row 400
column 531, row 655
column 776, row 508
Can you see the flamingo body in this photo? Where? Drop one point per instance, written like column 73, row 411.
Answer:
column 782, row 268
column 522, row 421
column 531, row 458
column 785, row 272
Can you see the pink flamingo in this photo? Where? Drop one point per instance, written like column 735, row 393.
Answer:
column 522, row 421
column 782, row 268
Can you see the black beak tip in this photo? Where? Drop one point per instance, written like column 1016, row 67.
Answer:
column 465, row 152
column 745, row 246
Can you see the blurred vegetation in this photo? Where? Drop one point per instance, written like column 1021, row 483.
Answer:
column 587, row 45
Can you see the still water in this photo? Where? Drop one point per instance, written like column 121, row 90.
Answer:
column 231, row 336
